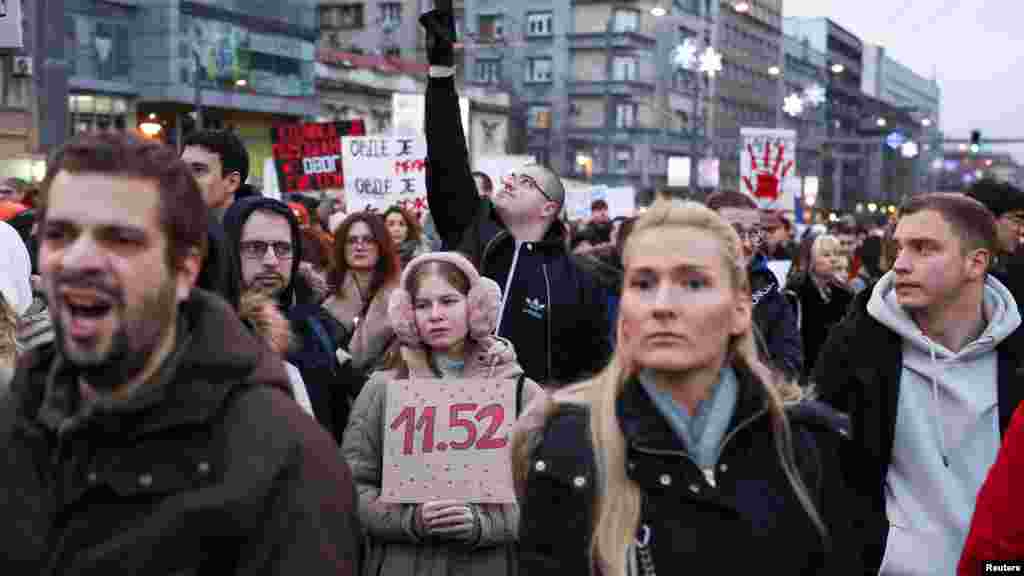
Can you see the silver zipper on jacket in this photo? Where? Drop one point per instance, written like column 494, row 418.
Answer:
column 709, row 474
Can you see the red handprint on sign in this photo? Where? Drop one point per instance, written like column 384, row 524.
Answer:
column 767, row 178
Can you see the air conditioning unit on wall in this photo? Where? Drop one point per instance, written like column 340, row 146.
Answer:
column 22, row 66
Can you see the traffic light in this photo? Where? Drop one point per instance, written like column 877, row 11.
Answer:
column 975, row 146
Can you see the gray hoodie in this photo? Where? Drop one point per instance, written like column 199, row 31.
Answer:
column 947, row 433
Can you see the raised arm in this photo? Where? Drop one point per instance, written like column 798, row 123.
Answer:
column 451, row 191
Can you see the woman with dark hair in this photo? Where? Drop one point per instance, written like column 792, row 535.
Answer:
column 406, row 233
column 870, row 255
column 366, row 269
column 822, row 295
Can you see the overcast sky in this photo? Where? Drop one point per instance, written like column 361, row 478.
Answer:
column 975, row 48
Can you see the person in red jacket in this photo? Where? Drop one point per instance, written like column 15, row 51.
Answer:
column 997, row 528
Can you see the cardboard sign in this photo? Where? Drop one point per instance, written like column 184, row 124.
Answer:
column 308, row 156
column 448, row 439
column 767, row 160
column 383, row 171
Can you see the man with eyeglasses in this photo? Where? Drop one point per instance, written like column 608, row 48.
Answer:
column 774, row 317
column 553, row 311
column 266, row 239
column 1006, row 202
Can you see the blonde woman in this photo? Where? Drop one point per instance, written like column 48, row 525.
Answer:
column 444, row 315
column 684, row 454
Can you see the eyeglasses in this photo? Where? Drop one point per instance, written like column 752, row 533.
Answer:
column 526, row 181
column 257, row 249
column 357, row 240
column 753, row 235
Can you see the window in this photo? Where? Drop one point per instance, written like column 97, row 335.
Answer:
column 623, row 68
column 623, row 160
column 539, row 116
column 488, row 71
column 539, row 70
column 351, row 16
column 626, row 20
column 390, row 15
column 625, row 115
column 539, row 24
column 491, row 28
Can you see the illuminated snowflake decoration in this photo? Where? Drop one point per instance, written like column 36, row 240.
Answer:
column 910, row 149
column 793, row 105
column 710, row 61
column 684, row 56
column 814, row 95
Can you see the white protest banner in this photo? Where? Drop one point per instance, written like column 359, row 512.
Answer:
column 448, row 439
column 381, row 171
column 767, row 158
column 10, row 25
column 409, row 113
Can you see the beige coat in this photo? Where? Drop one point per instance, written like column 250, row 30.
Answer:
column 373, row 334
column 392, row 545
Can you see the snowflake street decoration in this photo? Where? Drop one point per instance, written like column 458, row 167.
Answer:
column 793, row 105
column 814, row 95
column 910, row 149
column 710, row 61
column 684, row 56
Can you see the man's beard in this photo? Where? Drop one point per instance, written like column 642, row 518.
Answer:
column 135, row 339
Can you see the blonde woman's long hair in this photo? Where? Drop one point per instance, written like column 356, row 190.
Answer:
column 618, row 506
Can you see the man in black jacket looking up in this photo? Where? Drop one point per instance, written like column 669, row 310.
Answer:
column 553, row 312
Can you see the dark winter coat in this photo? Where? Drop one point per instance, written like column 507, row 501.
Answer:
column 210, row 469
column 331, row 386
column 744, row 520
column 555, row 312
column 775, row 320
column 217, row 274
column 817, row 317
column 858, row 372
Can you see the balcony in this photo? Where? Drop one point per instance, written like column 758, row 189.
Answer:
column 613, row 87
column 599, row 40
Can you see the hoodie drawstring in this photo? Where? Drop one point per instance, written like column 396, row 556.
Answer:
column 936, row 409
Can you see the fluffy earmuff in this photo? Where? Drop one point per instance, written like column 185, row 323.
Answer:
column 483, row 301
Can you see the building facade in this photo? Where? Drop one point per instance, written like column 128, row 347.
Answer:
column 805, row 74
column 593, row 82
column 16, row 73
column 749, row 94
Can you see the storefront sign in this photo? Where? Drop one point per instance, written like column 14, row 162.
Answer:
column 448, row 439
column 308, row 156
column 383, row 171
column 10, row 24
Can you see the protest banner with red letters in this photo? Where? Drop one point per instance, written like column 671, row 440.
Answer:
column 448, row 439
column 384, row 171
column 308, row 156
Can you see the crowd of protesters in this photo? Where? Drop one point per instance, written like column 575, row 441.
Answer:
column 194, row 376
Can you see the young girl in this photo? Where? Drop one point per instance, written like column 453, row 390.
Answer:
column 682, row 454
column 444, row 314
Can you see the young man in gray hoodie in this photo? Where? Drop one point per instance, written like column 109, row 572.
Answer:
column 926, row 364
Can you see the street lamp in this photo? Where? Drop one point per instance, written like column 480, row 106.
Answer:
column 658, row 11
column 881, row 122
column 241, row 83
column 838, row 68
column 774, row 71
column 926, row 122
column 741, row 7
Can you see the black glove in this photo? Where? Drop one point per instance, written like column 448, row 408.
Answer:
column 440, row 27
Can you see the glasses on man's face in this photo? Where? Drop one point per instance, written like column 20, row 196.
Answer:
column 257, row 249
column 753, row 235
column 360, row 240
column 524, row 181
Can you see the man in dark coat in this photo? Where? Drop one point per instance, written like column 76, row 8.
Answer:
column 553, row 311
column 266, row 244
column 156, row 436
column 774, row 317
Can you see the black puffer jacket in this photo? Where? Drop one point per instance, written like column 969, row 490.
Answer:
column 555, row 313
column 775, row 320
column 744, row 520
column 210, row 469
